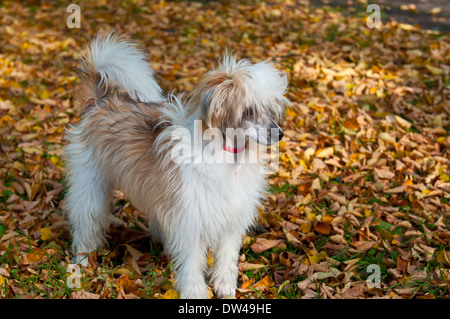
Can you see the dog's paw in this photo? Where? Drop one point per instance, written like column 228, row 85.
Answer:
column 225, row 291
column 195, row 292
column 81, row 259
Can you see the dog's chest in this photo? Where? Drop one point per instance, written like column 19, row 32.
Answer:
column 228, row 196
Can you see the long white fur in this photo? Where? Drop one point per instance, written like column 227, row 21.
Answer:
column 200, row 206
column 120, row 61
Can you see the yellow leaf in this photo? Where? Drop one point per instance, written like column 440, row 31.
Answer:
column 444, row 258
column 54, row 160
column 210, row 260
column 327, row 218
column 367, row 213
column 171, row 294
column 313, row 258
column 434, row 70
column 247, row 284
column 284, row 158
column 445, row 178
column 305, row 228
column 123, row 282
column 442, row 140
column 326, row 152
column 264, row 283
column 289, row 112
column 5, row 119
column 406, row 183
column 46, row 233
column 398, row 240
column 45, row 94
column 310, row 215
column 3, row 280
column 303, row 163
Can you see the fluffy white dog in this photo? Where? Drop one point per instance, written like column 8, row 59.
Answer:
column 126, row 139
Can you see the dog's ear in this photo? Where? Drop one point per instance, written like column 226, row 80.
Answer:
column 219, row 98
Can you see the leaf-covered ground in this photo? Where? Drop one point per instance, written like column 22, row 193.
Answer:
column 363, row 187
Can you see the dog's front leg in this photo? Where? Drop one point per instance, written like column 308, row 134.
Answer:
column 189, row 256
column 224, row 273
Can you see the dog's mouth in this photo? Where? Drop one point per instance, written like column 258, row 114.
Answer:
column 264, row 130
column 264, row 136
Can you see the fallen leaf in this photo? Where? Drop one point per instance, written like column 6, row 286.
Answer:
column 322, row 228
column 264, row 284
column 363, row 245
column 123, row 282
column 354, row 292
column 171, row 294
column 444, row 258
column 263, row 244
column 46, row 233
column 383, row 173
column 323, row 153
column 386, row 137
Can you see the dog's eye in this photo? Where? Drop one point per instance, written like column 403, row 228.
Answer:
column 249, row 113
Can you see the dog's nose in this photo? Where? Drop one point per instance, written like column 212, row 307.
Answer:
column 280, row 135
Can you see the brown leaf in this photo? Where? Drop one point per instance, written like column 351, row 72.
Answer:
column 263, row 244
column 338, row 198
column 123, row 282
column 384, row 173
column 363, row 245
column 322, row 228
column 351, row 123
column 354, row 292
column 264, row 284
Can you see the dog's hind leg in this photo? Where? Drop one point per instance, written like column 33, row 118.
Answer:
column 87, row 201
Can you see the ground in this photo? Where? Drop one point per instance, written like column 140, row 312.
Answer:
column 428, row 14
column 359, row 207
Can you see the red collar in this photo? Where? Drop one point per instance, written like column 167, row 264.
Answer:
column 234, row 150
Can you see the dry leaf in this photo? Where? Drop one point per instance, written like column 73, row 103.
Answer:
column 322, row 228
column 171, row 294
column 263, row 244
column 363, row 245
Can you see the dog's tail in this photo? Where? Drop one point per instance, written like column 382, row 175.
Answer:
column 112, row 61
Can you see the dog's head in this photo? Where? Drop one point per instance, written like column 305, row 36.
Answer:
column 245, row 96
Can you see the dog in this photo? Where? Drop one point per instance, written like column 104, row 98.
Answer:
column 127, row 136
